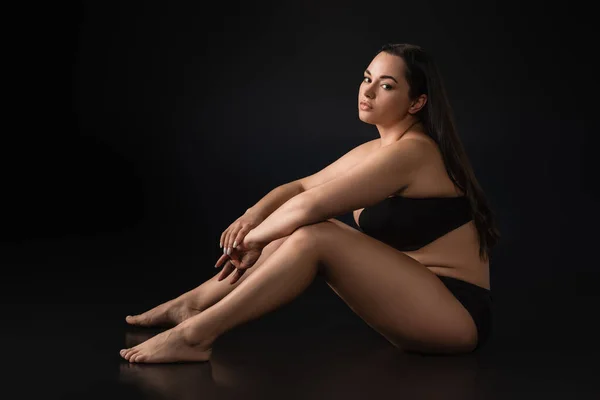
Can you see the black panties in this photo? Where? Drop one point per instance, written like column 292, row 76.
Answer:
column 478, row 302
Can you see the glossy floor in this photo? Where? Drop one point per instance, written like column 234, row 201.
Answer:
column 63, row 326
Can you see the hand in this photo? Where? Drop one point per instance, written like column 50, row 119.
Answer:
column 235, row 233
column 241, row 258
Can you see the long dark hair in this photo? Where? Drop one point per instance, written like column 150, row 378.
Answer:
column 423, row 77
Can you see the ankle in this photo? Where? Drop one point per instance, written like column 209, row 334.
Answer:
column 187, row 299
column 195, row 302
column 195, row 334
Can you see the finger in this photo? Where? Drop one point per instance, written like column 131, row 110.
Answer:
column 229, row 239
column 221, row 260
column 225, row 241
column 238, row 263
column 227, row 269
column 222, row 239
column 240, row 237
column 238, row 274
column 224, row 273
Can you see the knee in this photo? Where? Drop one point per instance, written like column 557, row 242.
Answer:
column 276, row 243
column 312, row 234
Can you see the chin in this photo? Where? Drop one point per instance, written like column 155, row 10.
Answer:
column 366, row 119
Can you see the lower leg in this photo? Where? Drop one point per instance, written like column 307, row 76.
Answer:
column 198, row 299
column 282, row 277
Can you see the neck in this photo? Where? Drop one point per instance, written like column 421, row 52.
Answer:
column 393, row 133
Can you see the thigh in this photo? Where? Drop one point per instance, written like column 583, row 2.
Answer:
column 392, row 292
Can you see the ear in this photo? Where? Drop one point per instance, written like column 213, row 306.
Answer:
column 417, row 104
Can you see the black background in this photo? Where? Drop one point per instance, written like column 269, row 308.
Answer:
column 135, row 133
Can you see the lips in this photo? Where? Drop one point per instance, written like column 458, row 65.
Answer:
column 365, row 105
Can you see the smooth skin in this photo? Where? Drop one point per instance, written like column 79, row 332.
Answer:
column 392, row 292
column 173, row 312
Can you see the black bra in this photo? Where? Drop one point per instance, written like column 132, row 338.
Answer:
column 409, row 223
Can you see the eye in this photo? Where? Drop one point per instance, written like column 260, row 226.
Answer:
column 385, row 86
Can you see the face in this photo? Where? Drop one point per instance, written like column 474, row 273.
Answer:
column 385, row 90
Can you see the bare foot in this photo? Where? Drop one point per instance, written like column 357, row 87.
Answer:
column 167, row 314
column 167, row 347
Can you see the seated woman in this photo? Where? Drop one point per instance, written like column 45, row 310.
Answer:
column 417, row 270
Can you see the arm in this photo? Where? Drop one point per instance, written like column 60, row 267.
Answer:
column 275, row 198
column 282, row 222
column 385, row 171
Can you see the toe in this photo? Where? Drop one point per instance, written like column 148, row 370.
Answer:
column 133, row 319
column 130, row 353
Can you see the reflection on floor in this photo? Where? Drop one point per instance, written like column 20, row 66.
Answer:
column 62, row 332
column 266, row 360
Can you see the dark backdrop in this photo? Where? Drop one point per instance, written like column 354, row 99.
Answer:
column 136, row 133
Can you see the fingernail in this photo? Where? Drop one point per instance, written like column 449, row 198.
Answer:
column 229, row 251
column 224, row 250
column 220, row 244
column 235, row 244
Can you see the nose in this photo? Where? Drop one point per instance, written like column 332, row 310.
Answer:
column 369, row 93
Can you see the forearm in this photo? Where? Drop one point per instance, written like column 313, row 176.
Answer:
column 275, row 198
column 282, row 222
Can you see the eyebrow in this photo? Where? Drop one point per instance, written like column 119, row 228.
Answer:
column 383, row 76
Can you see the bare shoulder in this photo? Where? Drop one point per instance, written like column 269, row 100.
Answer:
column 431, row 179
column 418, row 147
column 422, row 138
column 428, row 148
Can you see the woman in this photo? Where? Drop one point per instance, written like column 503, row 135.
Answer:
column 417, row 271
